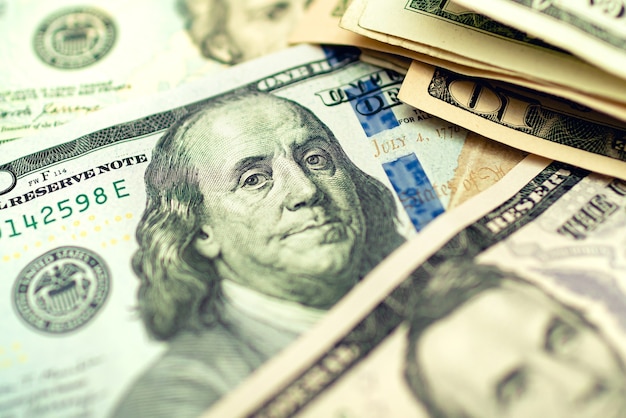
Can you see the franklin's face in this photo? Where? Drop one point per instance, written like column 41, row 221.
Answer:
column 254, row 28
column 513, row 352
column 284, row 215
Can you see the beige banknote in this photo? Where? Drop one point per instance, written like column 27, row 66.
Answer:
column 155, row 253
column 351, row 21
column 511, row 305
column 63, row 59
column 439, row 28
column 320, row 25
column 530, row 121
column 592, row 30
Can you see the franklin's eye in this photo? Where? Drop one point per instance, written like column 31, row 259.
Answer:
column 254, row 181
column 561, row 337
column 317, row 159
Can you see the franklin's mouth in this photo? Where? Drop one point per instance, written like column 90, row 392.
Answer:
column 314, row 226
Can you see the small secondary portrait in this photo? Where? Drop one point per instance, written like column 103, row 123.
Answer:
column 485, row 344
column 256, row 224
column 232, row 31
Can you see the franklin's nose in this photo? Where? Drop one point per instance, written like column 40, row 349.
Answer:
column 300, row 189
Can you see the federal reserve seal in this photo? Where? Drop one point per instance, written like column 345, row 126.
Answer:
column 75, row 38
column 62, row 289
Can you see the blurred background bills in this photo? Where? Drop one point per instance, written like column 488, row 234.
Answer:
column 420, row 211
column 66, row 59
column 591, row 30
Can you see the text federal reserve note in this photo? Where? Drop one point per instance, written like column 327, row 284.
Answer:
column 509, row 305
column 64, row 58
column 155, row 254
column 592, row 30
column 538, row 123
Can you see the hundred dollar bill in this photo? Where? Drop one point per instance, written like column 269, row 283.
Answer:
column 439, row 28
column 530, row 121
column 593, row 30
column 155, row 253
column 510, row 305
column 65, row 58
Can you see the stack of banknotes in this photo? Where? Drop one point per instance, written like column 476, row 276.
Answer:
column 417, row 211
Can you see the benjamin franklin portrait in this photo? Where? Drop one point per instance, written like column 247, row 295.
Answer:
column 256, row 223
